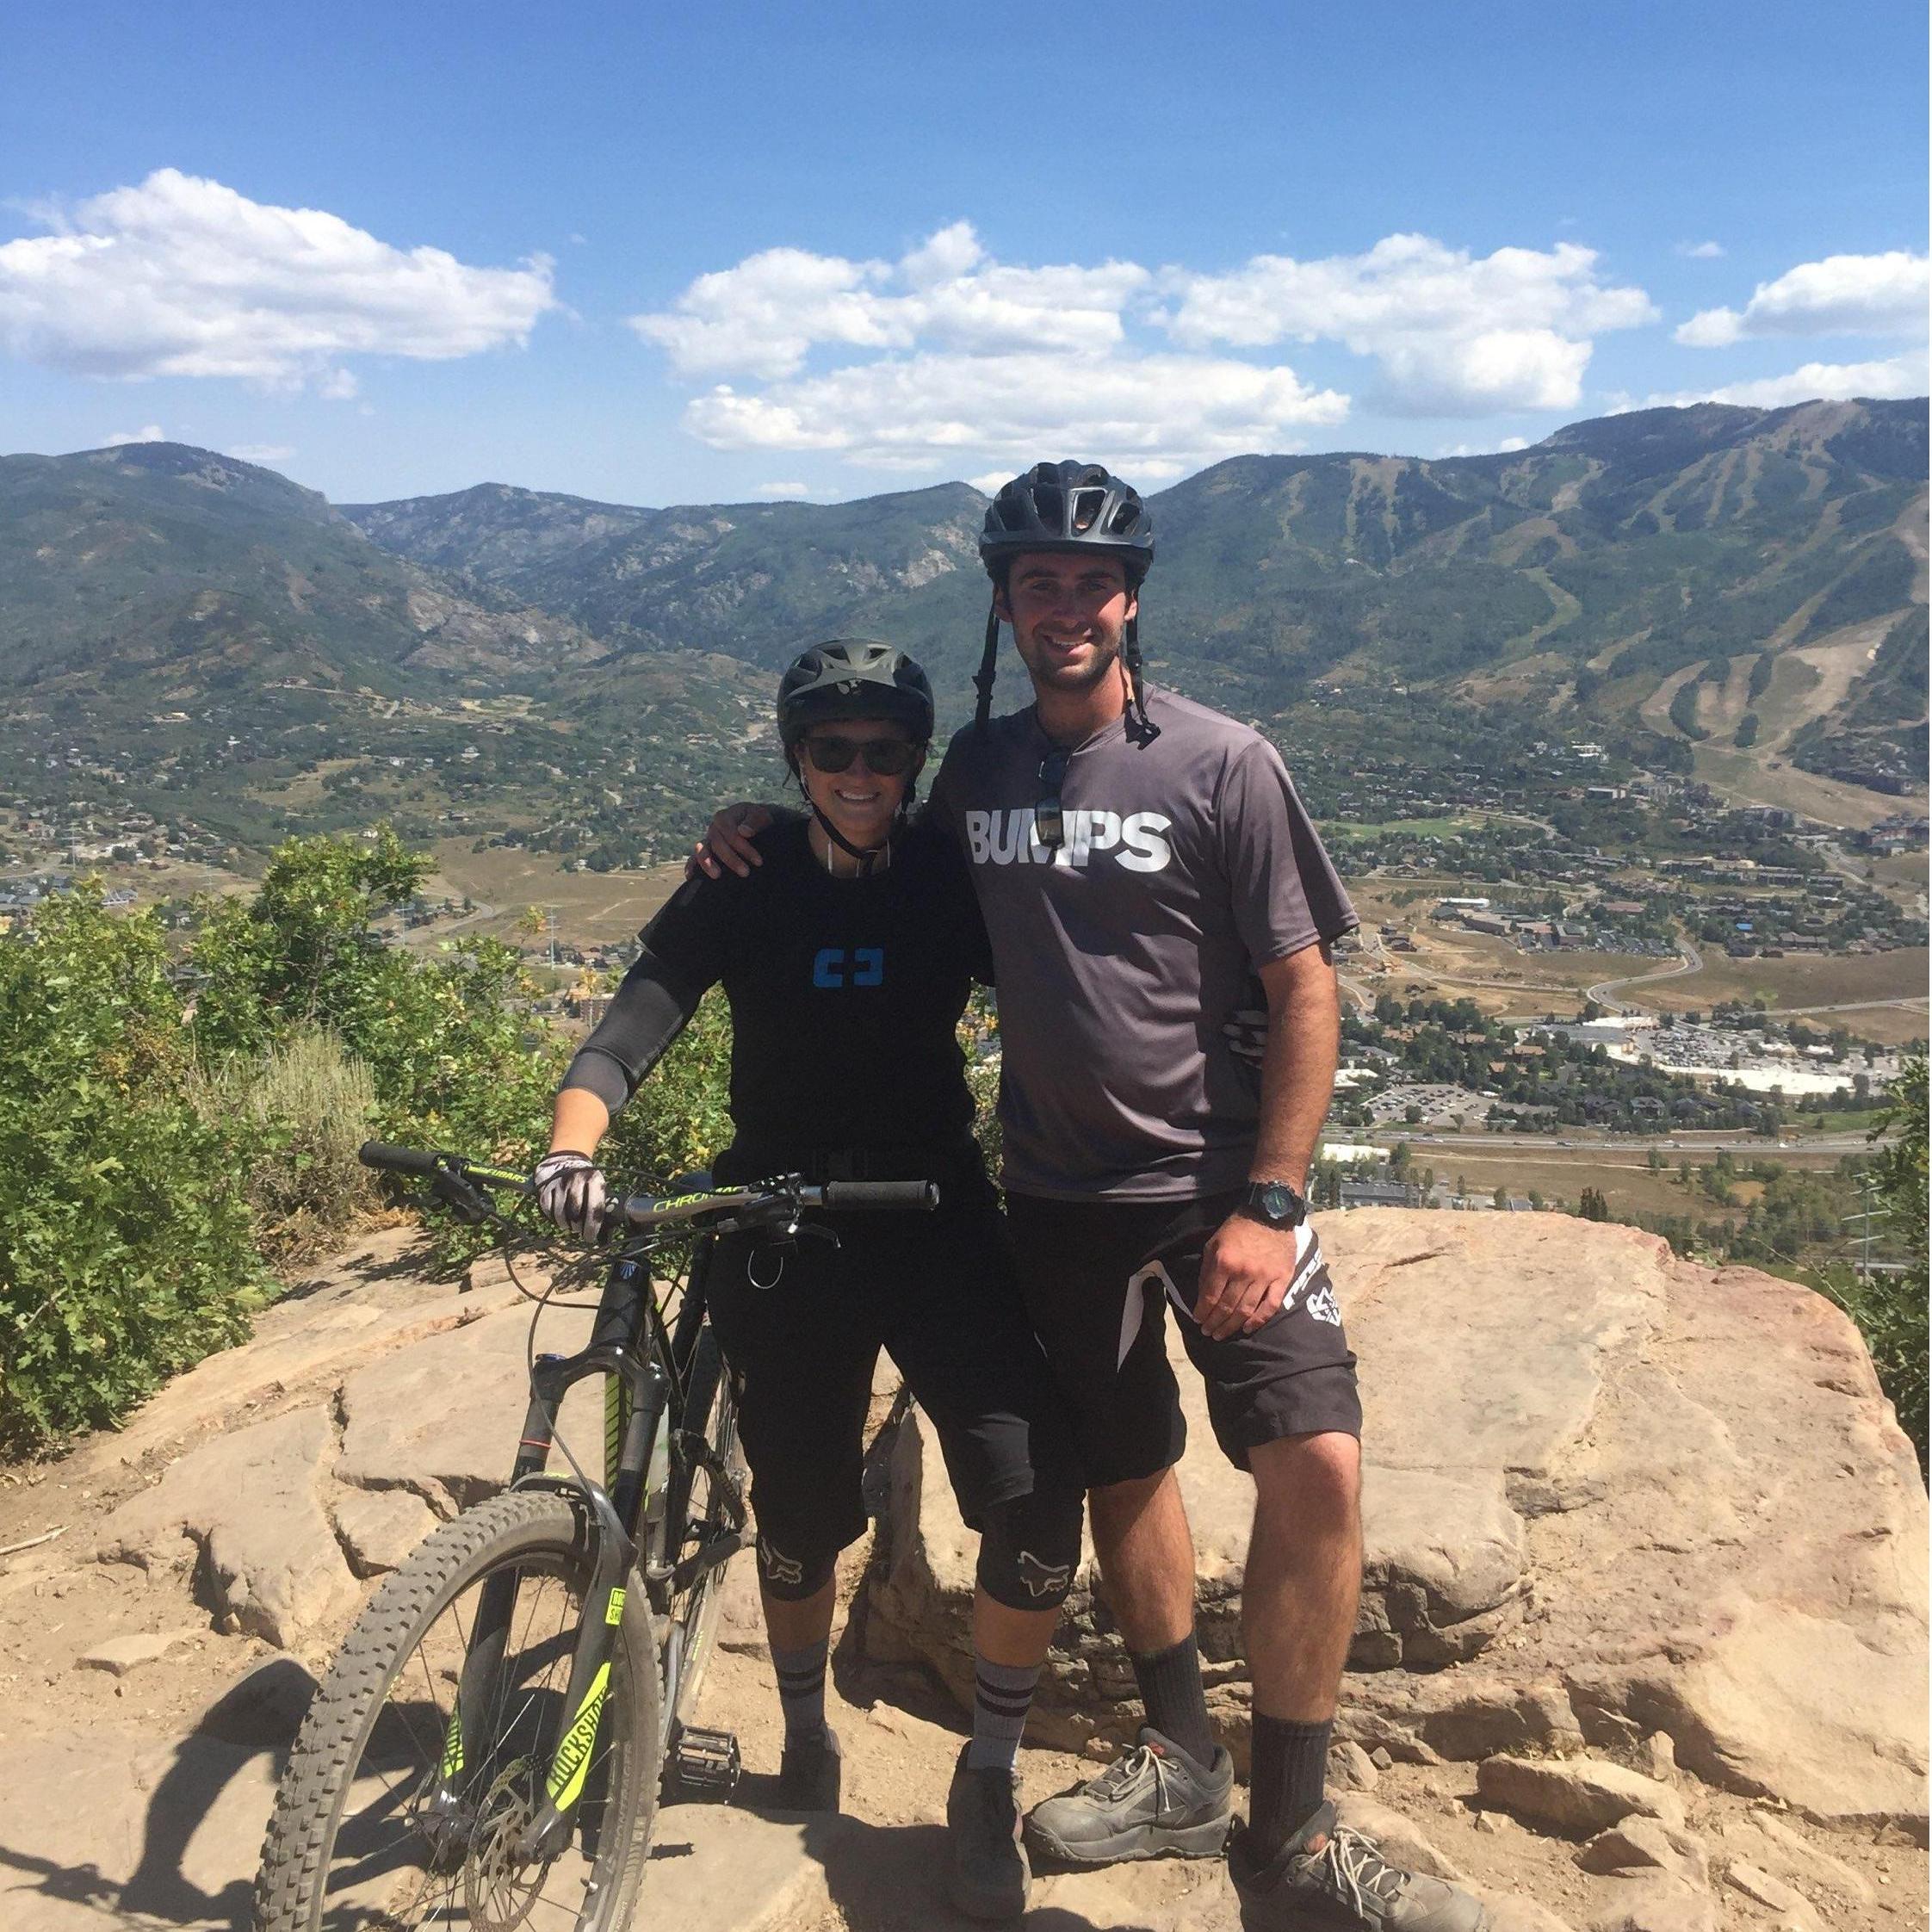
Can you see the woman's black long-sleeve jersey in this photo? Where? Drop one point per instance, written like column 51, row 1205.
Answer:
column 844, row 997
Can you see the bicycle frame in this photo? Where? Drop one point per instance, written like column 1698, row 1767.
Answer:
column 646, row 1370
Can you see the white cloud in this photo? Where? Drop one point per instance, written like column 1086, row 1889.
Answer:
column 1842, row 295
column 268, row 454
column 1900, row 377
column 947, row 354
column 764, row 316
column 184, row 276
column 149, row 432
column 784, row 490
column 1454, row 333
column 914, row 412
column 1701, row 252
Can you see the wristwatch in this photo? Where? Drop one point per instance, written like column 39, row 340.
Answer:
column 1275, row 1204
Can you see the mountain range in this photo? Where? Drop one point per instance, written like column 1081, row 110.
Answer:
column 1686, row 581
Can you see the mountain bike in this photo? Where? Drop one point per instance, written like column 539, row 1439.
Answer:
column 487, row 1748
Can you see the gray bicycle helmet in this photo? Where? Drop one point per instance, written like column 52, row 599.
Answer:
column 1065, row 506
column 853, row 677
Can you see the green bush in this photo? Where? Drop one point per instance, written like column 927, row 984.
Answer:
column 1890, row 1310
column 680, row 1117
column 306, row 1105
column 124, row 1254
column 455, row 1059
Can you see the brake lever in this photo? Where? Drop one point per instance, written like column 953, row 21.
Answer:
column 469, row 1205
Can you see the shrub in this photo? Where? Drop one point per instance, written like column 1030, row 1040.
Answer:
column 455, row 1059
column 307, row 1105
column 124, row 1239
column 1890, row 1310
column 680, row 1117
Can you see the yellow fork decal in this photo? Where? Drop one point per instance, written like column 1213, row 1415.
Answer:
column 453, row 1747
column 573, row 1763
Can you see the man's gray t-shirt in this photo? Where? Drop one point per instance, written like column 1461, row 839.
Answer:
column 1187, row 864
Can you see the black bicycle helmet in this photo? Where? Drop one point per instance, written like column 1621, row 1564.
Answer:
column 1065, row 506
column 853, row 677
column 1068, row 506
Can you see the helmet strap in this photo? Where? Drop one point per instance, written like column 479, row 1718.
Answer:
column 989, row 666
column 866, row 856
column 1144, row 728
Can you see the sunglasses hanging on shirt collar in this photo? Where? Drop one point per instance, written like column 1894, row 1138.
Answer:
column 1049, row 822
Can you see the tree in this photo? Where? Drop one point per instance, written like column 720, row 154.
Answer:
column 1536, row 1200
column 1398, row 1159
column 1654, row 1160
column 1501, row 1196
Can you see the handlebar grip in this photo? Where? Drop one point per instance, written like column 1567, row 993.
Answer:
column 882, row 1194
column 397, row 1159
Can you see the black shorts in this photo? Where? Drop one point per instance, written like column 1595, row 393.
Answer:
column 937, row 1292
column 1097, row 1277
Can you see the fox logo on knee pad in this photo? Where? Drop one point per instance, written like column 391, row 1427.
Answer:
column 1044, row 1579
column 777, row 1566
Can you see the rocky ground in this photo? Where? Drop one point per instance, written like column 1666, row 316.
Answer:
column 1642, row 1646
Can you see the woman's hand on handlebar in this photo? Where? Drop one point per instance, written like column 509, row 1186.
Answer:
column 727, row 844
column 571, row 1191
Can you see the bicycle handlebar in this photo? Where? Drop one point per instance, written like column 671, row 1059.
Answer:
column 783, row 1194
column 921, row 1194
column 398, row 1160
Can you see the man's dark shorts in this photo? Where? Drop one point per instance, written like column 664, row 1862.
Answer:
column 803, row 1325
column 1097, row 1277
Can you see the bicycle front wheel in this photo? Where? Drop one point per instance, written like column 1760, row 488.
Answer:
column 364, row 1837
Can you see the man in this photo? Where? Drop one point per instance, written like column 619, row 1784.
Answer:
column 1148, row 874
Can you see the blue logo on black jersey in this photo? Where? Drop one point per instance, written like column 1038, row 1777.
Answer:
column 829, row 969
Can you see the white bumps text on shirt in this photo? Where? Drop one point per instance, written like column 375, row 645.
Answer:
column 1138, row 841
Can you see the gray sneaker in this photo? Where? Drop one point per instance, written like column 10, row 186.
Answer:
column 1155, row 1803
column 1344, row 1882
column 990, row 1876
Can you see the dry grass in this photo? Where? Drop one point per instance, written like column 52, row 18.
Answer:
column 594, row 908
column 1748, row 778
column 1832, row 980
column 1624, row 1176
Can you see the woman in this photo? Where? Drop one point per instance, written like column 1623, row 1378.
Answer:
column 847, row 957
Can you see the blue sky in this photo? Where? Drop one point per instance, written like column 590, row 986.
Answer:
column 639, row 253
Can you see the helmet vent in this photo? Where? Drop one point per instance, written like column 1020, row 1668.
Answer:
column 1086, row 507
column 1050, row 506
column 1125, row 518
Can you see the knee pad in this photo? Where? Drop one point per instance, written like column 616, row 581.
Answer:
column 792, row 1579
column 1030, row 1549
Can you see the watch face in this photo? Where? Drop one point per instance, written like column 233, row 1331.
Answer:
column 1275, row 1201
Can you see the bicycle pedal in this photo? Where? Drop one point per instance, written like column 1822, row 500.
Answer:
column 706, row 1763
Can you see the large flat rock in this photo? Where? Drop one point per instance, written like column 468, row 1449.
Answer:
column 247, row 1508
column 1606, row 1492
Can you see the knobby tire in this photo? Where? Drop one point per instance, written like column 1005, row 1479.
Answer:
column 539, row 1533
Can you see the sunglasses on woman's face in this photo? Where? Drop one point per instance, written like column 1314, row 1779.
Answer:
column 884, row 757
